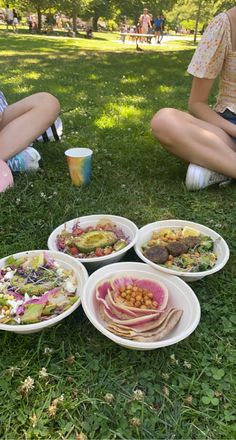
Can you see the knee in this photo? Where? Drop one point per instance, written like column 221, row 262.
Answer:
column 163, row 122
column 50, row 103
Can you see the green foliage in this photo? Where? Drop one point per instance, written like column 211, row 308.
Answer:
column 185, row 10
column 223, row 5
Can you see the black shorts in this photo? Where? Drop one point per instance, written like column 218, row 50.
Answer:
column 158, row 28
column 9, row 21
column 229, row 116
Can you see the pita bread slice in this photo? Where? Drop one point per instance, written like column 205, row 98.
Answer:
column 162, row 331
column 125, row 328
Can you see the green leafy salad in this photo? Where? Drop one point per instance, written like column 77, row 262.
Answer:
column 35, row 288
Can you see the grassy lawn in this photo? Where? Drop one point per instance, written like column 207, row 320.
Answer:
column 108, row 93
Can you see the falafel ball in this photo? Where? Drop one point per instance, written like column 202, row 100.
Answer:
column 157, row 254
column 191, row 242
column 177, row 248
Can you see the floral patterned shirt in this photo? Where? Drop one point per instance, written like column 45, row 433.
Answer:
column 215, row 56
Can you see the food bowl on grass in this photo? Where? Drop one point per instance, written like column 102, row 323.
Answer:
column 38, row 289
column 164, row 312
column 95, row 240
column 183, row 248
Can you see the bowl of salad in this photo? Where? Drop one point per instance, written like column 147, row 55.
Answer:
column 38, row 289
column 183, row 248
column 140, row 308
column 95, row 240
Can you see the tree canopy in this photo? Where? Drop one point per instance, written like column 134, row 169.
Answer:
column 176, row 11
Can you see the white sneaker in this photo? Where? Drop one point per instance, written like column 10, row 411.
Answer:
column 198, row 177
column 26, row 160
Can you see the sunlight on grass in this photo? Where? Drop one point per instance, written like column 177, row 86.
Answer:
column 93, row 77
column 32, row 75
column 116, row 114
column 165, row 89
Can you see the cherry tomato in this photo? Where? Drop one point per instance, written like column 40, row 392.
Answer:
column 99, row 252
column 74, row 250
column 78, row 231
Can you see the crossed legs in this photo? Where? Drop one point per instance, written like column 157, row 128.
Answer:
column 24, row 121
column 195, row 141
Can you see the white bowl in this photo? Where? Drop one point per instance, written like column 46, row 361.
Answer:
column 127, row 226
column 69, row 263
column 220, row 247
column 180, row 296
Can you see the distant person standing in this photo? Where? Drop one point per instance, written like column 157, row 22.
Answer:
column 162, row 26
column 9, row 17
column 158, row 28
column 30, row 23
column 145, row 21
column 15, row 21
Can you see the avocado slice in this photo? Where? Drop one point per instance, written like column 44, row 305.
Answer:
column 32, row 313
column 91, row 240
column 16, row 262
column 120, row 244
column 18, row 281
column 36, row 289
column 34, row 262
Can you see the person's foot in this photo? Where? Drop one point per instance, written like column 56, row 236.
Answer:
column 26, row 160
column 198, row 177
column 6, row 177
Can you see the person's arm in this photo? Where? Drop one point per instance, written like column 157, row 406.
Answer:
column 198, row 105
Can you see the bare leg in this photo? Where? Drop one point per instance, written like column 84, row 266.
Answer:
column 195, row 141
column 24, row 121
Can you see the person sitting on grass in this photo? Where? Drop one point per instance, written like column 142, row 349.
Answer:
column 206, row 137
column 20, row 124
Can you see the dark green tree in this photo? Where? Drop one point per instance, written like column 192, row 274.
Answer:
column 37, row 6
column 73, row 8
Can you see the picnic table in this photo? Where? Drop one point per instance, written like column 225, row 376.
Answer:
column 135, row 36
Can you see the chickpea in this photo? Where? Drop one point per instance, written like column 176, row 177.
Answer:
column 137, row 303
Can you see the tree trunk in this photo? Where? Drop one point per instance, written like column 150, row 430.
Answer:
column 197, row 20
column 39, row 13
column 95, row 20
column 74, row 19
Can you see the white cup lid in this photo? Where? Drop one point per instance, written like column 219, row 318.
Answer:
column 78, row 152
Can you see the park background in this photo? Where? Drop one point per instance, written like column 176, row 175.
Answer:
column 186, row 15
column 80, row 385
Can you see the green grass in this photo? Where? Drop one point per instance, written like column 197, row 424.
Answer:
column 108, row 95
